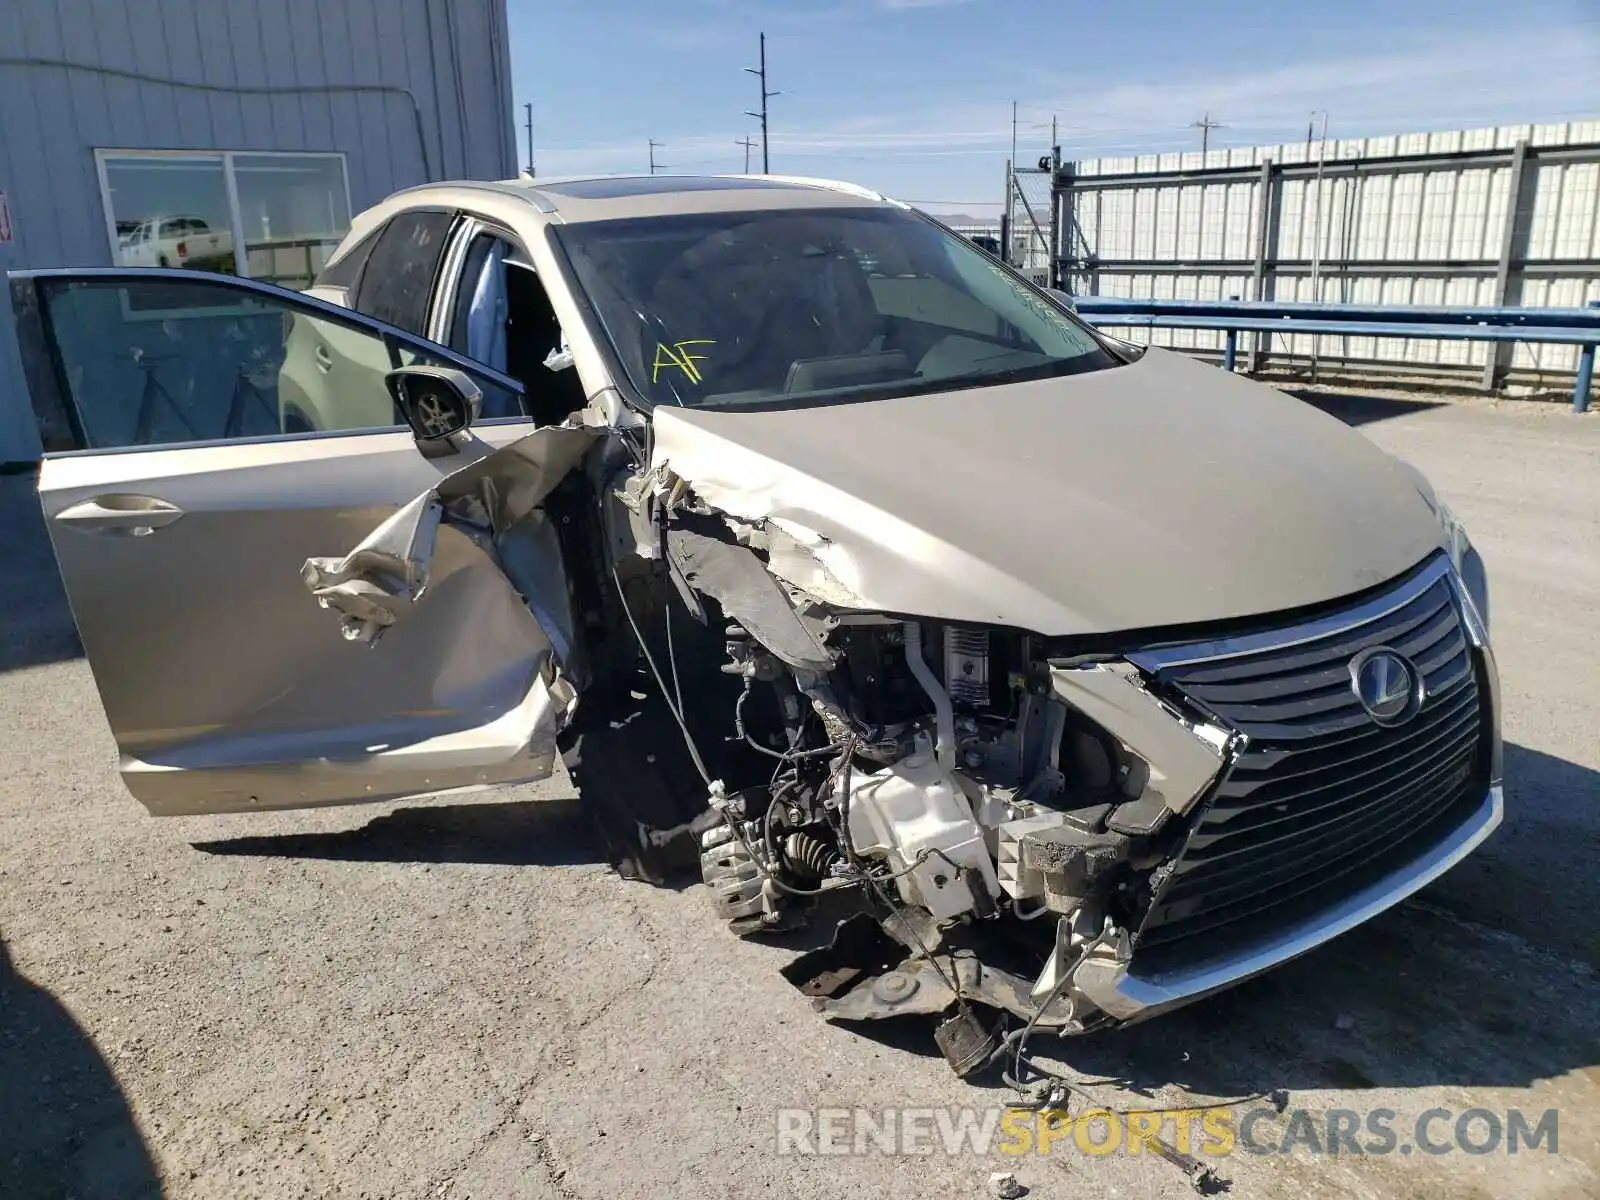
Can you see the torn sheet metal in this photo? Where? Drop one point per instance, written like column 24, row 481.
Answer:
column 1183, row 760
column 736, row 579
column 530, row 555
column 795, row 554
column 388, row 571
column 501, row 488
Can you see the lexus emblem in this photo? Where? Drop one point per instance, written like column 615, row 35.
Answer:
column 1386, row 685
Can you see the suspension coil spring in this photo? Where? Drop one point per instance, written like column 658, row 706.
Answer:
column 808, row 855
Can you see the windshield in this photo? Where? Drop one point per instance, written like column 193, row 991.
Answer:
column 744, row 310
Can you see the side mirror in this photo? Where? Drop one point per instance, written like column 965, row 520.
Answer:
column 1065, row 299
column 437, row 402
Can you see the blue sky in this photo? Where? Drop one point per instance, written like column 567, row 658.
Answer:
column 913, row 97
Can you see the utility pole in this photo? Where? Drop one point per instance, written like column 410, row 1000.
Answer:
column 761, row 73
column 1005, row 221
column 1316, row 238
column 1205, row 125
column 654, row 165
column 1316, row 226
column 748, row 143
column 1013, row 133
column 529, row 107
column 1009, row 219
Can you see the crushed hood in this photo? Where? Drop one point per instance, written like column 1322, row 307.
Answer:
column 1163, row 492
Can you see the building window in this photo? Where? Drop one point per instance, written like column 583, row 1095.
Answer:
column 273, row 217
column 169, row 211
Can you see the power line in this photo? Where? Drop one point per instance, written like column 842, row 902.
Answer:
column 529, row 107
column 654, row 165
column 748, row 143
column 761, row 73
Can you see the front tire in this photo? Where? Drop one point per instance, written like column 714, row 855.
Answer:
column 635, row 778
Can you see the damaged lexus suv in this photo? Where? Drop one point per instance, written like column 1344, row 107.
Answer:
column 833, row 557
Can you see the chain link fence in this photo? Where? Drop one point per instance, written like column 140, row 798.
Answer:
column 1031, row 214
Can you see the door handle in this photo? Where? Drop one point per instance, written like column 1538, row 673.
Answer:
column 120, row 515
column 324, row 359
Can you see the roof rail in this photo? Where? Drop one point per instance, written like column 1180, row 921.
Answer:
column 831, row 185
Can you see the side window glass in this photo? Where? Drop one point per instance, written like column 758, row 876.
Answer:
column 152, row 362
column 478, row 325
column 398, row 280
column 345, row 272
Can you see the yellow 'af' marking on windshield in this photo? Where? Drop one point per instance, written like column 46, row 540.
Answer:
column 677, row 356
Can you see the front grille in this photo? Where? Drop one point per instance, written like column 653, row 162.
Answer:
column 1323, row 799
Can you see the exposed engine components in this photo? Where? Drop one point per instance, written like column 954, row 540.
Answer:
column 966, row 1042
column 981, row 785
column 966, row 666
column 915, row 816
column 756, row 867
column 944, row 721
column 958, row 784
column 740, row 893
column 808, row 856
column 1072, row 863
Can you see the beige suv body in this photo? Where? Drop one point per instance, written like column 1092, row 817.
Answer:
column 957, row 602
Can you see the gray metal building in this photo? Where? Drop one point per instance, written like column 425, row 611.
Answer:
column 234, row 135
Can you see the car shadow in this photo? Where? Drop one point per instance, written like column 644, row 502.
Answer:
column 539, row 833
column 1356, row 408
column 1416, row 998
column 36, row 627
column 1535, row 877
column 65, row 1127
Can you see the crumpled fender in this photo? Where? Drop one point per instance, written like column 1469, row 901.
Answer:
column 735, row 578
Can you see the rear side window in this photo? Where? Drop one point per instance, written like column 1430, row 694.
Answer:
column 398, row 280
column 345, row 272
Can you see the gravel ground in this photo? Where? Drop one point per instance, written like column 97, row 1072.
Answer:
column 439, row 999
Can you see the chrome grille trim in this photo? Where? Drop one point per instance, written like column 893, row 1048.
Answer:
column 1157, row 658
column 1321, row 794
column 1136, row 990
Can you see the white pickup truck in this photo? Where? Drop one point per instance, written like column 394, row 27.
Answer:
column 184, row 241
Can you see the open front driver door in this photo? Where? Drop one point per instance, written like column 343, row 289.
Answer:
column 183, row 496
